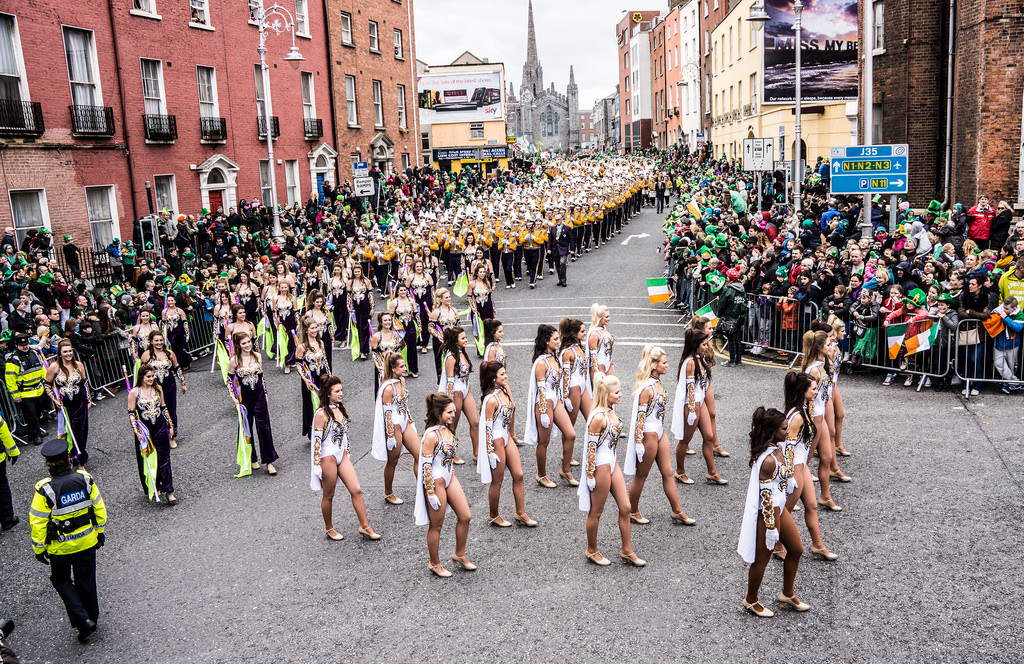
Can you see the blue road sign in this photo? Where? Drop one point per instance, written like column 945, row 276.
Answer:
column 870, row 169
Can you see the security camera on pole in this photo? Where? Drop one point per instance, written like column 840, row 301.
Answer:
column 280, row 20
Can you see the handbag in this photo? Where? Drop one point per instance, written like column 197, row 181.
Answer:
column 968, row 337
column 726, row 328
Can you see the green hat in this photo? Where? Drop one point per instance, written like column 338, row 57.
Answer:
column 877, row 198
column 946, row 298
column 715, row 281
column 67, row 238
column 721, row 241
column 168, row 279
column 916, row 297
column 782, row 272
column 808, row 224
column 46, row 279
column 45, row 231
column 711, row 229
column 934, row 207
column 204, row 212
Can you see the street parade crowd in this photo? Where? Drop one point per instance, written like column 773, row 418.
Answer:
column 407, row 281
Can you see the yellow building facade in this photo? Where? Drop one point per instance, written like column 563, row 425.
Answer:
column 736, row 111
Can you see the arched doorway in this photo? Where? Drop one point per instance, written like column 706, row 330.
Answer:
column 322, row 160
column 217, row 177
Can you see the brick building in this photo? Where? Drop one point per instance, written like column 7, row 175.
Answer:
column 162, row 94
column 909, row 47
column 659, row 85
column 710, row 15
column 373, row 75
column 633, row 36
column 586, row 130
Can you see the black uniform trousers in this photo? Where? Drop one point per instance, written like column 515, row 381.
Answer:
column 74, row 577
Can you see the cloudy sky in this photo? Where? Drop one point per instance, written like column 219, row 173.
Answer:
column 569, row 32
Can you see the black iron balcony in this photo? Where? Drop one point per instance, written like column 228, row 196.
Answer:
column 92, row 120
column 261, row 124
column 21, row 118
column 214, row 130
column 160, row 128
column 314, row 129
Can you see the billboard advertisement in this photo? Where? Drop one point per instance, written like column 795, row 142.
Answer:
column 828, row 57
column 461, row 97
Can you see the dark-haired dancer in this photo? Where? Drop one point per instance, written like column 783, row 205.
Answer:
column 245, row 384
column 393, row 426
column 546, row 403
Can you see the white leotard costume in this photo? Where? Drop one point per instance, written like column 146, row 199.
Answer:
column 441, row 465
column 552, row 387
column 700, row 383
column 763, row 498
column 331, row 441
column 605, row 453
column 400, row 418
column 497, row 428
column 459, row 382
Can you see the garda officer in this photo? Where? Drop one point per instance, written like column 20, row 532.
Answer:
column 24, row 375
column 8, row 450
column 67, row 519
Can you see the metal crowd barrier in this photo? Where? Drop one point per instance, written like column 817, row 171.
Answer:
column 978, row 361
column 932, row 363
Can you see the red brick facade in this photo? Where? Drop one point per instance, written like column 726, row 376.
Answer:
column 352, row 54
column 910, row 71
column 586, row 128
column 710, row 14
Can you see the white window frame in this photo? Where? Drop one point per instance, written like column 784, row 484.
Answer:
column 44, row 212
column 97, row 89
column 346, row 26
column 878, row 38
column 291, row 180
column 374, row 34
column 308, row 105
column 19, row 57
column 215, row 102
column 476, row 131
column 204, row 7
column 399, row 45
column 266, row 193
column 403, row 120
column 160, row 81
column 111, row 206
column 351, row 101
column 260, row 93
column 145, row 13
column 172, row 193
column 405, row 161
column 378, row 104
column 302, row 19
column 256, row 5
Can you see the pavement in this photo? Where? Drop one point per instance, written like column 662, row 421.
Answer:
column 929, row 539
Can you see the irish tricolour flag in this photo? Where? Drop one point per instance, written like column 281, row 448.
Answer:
column 657, row 290
column 896, row 335
column 706, row 312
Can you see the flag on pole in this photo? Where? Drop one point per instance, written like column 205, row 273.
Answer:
column 657, row 290
column 894, row 335
column 924, row 339
column 706, row 312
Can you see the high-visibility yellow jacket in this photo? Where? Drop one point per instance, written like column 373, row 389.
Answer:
column 24, row 375
column 9, row 447
column 67, row 513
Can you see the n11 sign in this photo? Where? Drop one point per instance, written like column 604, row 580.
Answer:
column 870, row 169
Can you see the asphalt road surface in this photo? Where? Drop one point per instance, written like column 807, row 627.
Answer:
column 929, row 540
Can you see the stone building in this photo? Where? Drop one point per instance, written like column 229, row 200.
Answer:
column 543, row 115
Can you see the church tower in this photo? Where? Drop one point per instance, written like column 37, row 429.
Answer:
column 572, row 94
column 533, row 74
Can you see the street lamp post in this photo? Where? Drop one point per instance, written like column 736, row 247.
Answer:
column 758, row 16
column 280, row 20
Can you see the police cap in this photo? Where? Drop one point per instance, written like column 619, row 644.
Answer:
column 55, row 449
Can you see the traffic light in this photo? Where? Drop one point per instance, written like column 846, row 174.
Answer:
column 779, row 187
column 767, row 192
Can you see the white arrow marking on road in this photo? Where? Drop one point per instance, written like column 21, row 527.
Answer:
column 638, row 235
column 898, row 183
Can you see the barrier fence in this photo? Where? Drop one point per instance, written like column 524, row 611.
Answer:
column 105, row 369
column 977, row 359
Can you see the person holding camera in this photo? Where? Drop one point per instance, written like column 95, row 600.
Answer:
column 67, row 519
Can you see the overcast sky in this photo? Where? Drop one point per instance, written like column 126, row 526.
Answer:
column 569, row 32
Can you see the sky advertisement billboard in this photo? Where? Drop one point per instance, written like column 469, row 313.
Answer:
column 464, row 97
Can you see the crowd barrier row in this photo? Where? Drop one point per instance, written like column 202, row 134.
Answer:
column 778, row 324
column 105, row 369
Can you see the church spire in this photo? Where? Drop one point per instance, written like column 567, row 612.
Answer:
column 572, row 76
column 531, row 39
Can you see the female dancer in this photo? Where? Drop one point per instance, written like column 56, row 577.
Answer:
column 312, row 357
column 68, row 387
column 138, row 337
column 604, row 476
column 835, row 413
column 493, row 334
column 165, row 365
column 329, row 453
column 481, row 291
column 648, row 442
column 547, row 407
column 766, row 521
column 150, row 421
column 441, row 319
column 575, row 369
column 247, row 295
column 454, row 382
column 239, row 322
column 816, row 355
column 337, row 302
column 495, row 454
column 284, row 275
column 403, row 309
column 800, row 391
column 360, row 293
column 705, row 326
column 393, row 427
column 175, row 323
column 689, row 408
column 267, row 301
column 438, row 486
column 431, row 266
column 385, row 340
column 286, row 322
column 245, row 383
column 600, row 341
column 421, row 285
column 316, row 305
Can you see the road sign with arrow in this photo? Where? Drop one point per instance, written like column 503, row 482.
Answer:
column 870, row 169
